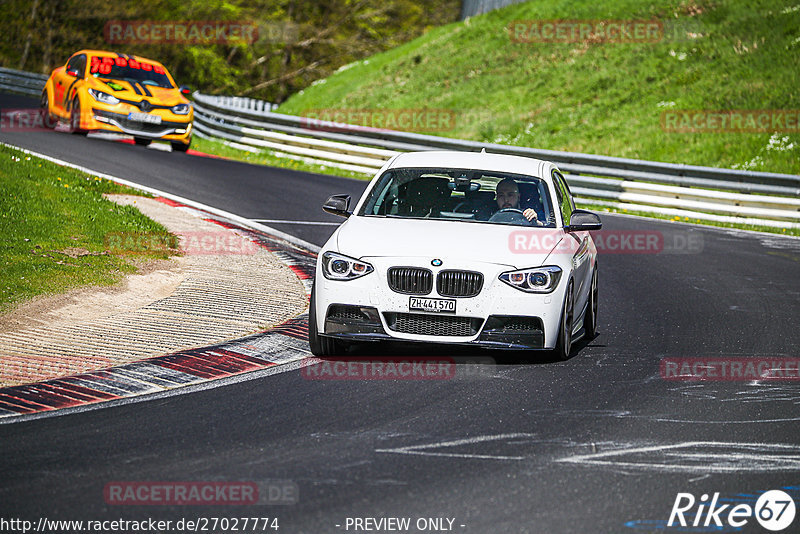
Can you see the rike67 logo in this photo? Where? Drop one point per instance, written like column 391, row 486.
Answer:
column 774, row 510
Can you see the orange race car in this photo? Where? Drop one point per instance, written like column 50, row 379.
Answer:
column 113, row 92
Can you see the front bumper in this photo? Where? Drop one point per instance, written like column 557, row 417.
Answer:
column 514, row 322
column 118, row 122
column 363, row 323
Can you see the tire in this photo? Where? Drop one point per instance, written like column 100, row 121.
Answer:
column 142, row 141
column 44, row 112
column 75, row 118
column 180, row 147
column 590, row 319
column 321, row 346
column 563, row 348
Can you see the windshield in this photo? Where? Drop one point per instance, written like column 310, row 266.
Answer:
column 460, row 194
column 130, row 70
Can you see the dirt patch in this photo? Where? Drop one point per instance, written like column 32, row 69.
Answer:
column 222, row 287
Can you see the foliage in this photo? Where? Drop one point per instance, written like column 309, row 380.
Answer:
column 298, row 42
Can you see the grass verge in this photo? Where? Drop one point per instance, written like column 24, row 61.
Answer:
column 592, row 95
column 54, row 228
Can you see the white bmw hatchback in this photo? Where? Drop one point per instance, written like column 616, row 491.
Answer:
column 458, row 248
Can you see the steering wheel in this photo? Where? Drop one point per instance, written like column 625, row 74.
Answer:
column 463, row 207
column 510, row 216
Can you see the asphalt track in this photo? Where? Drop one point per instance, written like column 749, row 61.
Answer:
column 600, row 443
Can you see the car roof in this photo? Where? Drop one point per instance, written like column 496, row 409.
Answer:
column 101, row 53
column 474, row 160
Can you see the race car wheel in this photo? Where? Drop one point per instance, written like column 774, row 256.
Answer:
column 75, row 118
column 180, row 147
column 142, row 141
column 564, row 341
column 590, row 321
column 44, row 112
column 320, row 345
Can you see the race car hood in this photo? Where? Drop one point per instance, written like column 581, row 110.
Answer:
column 513, row 246
column 126, row 90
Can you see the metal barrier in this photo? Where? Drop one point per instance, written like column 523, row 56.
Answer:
column 690, row 191
column 706, row 193
column 19, row 81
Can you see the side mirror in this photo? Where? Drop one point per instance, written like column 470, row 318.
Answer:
column 73, row 72
column 185, row 90
column 582, row 221
column 337, row 205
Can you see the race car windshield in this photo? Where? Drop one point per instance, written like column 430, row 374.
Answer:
column 460, row 194
column 130, row 70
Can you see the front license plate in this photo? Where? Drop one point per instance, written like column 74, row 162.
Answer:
column 432, row 305
column 144, row 117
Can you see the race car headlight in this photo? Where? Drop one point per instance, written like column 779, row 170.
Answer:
column 535, row 280
column 340, row 267
column 181, row 109
column 103, row 98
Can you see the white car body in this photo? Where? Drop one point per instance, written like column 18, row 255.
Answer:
column 437, row 245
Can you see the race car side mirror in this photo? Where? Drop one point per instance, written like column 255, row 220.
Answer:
column 185, row 90
column 73, row 72
column 337, row 205
column 582, row 220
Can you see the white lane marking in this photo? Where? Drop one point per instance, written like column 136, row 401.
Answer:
column 416, row 449
column 762, row 457
column 283, row 221
column 231, row 216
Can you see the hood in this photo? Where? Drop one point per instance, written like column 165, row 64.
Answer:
column 125, row 90
column 512, row 246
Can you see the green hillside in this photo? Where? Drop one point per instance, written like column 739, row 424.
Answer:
column 593, row 95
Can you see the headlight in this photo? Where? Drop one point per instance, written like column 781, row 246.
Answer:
column 339, row 267
column 534, row 280
column 105, row 98
column 181, row 109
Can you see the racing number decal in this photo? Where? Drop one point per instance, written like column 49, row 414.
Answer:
column 104, row 65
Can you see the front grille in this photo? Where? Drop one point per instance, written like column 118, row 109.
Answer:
column 459, row 283
column 410, row 280
column 433, row 325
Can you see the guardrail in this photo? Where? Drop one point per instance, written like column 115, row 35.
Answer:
column 707, row 193
column 694, row 192
column 19, row 81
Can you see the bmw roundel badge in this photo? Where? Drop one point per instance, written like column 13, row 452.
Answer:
column 436, row 263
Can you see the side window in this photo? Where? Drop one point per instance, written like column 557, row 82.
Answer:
column 564, row 197
column 77, row 63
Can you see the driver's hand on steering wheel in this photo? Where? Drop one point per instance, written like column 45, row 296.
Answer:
column 530, row 214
